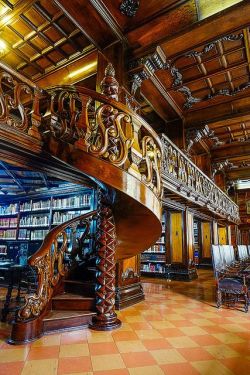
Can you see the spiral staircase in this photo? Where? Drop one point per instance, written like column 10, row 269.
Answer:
column 75, row 132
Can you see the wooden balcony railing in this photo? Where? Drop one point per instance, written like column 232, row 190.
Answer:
column 181, row 176
column 92, row 122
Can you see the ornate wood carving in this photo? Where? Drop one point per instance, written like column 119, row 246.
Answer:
column 182, row 176
column 208, row 47
column 196, row 135
column 94, row 122
column 19, row 104
column 143, row 68
column 129, row 7
column 51, row 265
column 221, row 166
column 106, row 318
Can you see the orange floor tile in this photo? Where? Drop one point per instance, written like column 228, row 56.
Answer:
column 177, row 330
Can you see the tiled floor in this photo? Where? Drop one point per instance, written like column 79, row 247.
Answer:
column 176, row 331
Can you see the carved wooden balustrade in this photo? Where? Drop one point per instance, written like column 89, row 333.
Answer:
column 92, row 122
column 182, row 176
column 52, row 262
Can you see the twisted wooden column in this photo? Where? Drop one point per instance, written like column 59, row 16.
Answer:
column 106, row 318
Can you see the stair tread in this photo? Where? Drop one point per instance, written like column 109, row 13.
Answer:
column 71, row 296
column 64, row 314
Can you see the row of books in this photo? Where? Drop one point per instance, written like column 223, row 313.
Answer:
column 8, row 222
column 156, row 248
column 34, row 221
column 70, row 202
column 35, row 206
column 10, row 209
column 27, row 234
column 153, row 267
column 59, row 217
column 153, row 257
column 9, row 234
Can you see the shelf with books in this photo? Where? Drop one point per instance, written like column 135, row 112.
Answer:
column 28, row 219
column 153, row 260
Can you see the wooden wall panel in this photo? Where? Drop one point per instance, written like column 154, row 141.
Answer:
column 206, row 239
column 222, row 232
column 176, row 232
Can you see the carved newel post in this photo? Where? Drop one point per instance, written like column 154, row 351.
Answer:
column 109, row 84
column 106, row 318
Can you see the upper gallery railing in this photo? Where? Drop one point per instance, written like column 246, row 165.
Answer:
column 95, row 123
column 182, row 176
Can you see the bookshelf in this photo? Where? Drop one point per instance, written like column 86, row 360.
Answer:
column 26, row 220
column 153, row 260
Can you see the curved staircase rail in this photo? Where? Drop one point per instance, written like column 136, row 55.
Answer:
column 51, row 265
column 97, row 135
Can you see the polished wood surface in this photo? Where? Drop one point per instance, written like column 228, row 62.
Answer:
column 176, row 230
column 206, row 240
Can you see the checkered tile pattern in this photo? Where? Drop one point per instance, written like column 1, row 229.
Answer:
column 176, row 331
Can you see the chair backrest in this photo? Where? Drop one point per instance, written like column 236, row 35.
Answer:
column 242, row 252
column 248, row 248
column 228, row 252
column 218, row 263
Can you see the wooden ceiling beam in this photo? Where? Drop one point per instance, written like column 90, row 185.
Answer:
column 227, row 151
column 222, row 23
column 220, row 114
column 85, row 17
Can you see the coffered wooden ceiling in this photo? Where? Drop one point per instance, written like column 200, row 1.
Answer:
column 39, row 37
column 202, row 76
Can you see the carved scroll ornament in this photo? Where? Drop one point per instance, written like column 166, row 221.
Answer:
column 181, row 172
column 51, row 265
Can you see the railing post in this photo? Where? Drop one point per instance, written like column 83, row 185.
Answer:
column 106, row 318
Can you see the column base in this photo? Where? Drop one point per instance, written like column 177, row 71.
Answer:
column 105, row 323
column 128, row 295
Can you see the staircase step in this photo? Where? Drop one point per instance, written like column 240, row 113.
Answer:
column 57, row 320
column 70, row 301
column 84, row 288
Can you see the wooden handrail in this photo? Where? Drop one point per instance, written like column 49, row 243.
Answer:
column 50, row 266
column 181, row 175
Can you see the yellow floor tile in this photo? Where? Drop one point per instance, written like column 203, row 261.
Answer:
column 135, row 319
column 130, row 346
column 149, row 370
column 228, row 338
column 182, row 342
column 50, row 340
column 193, row 331
column 202, row 322
column 107, row 362
column 161, row 325
column 13, row 355
column 222, row 351
column 211, row 367
column 74, row 350
column 144, row 334
column 95, row 337
column 40, row 367
column 163, row 357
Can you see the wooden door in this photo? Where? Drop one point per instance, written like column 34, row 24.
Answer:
column 206, row 240
column 222, row 232
column 176, row 235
